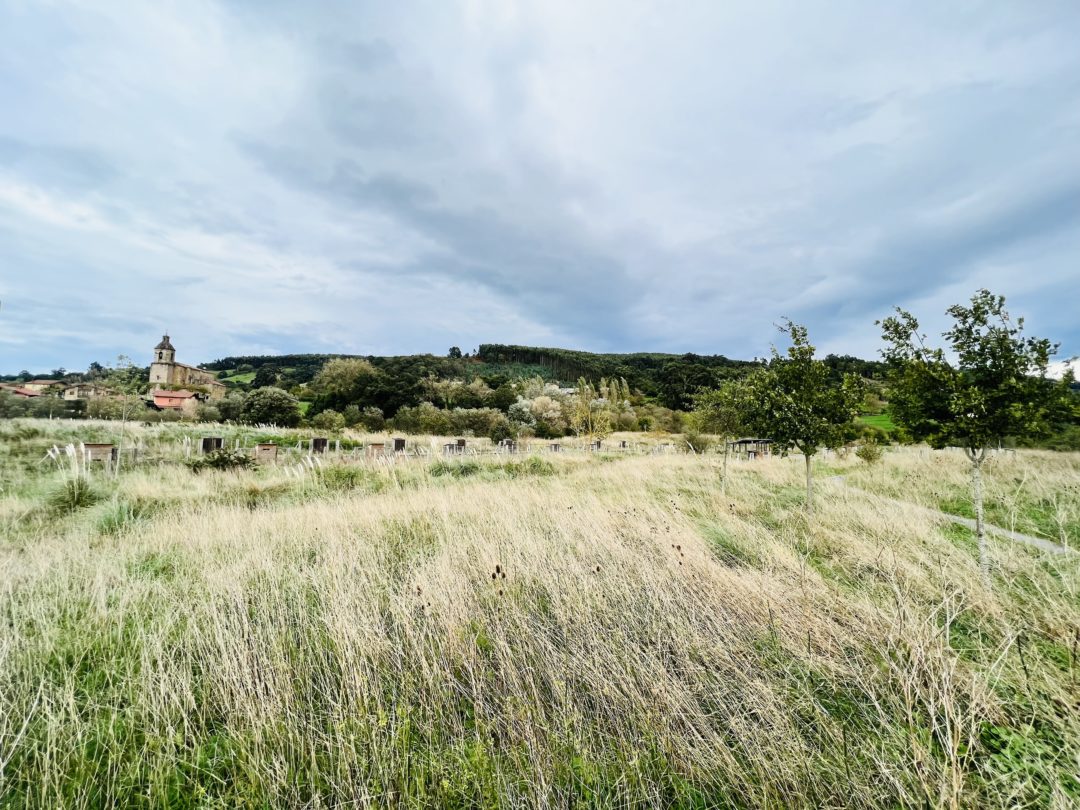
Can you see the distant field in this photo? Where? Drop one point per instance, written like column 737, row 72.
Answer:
column 243, row 379
column 618, row 629
column 879, row 420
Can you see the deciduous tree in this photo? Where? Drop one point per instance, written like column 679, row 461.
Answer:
column 988, row 383
column 721, row 411
column 793, row 402
column 270, row 406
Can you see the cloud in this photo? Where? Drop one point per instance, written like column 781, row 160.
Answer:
column 611, row 175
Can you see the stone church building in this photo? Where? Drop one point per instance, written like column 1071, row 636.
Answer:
column 165, row 371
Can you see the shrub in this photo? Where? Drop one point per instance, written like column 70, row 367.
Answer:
column 372, row 419
column 329, row 420
column 352, row 416
column 207, row 413
column 698, row 442
column 224, row 459
column 870, row 452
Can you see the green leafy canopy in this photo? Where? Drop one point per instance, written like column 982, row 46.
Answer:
column 988, row 383
column 793, row 401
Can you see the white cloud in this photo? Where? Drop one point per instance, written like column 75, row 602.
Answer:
column 612, row 175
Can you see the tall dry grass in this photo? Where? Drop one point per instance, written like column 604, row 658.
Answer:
column 587, row 633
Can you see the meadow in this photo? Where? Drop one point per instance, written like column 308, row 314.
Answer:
column 612, row 629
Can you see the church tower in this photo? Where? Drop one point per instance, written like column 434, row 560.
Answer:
column 161, row 368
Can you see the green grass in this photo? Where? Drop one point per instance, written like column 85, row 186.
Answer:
column 882, row 421
column 242, row 379
column 524, row 631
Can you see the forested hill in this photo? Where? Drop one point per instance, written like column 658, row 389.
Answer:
column 670, row 378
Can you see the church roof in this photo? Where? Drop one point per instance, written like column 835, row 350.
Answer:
column 165, row 344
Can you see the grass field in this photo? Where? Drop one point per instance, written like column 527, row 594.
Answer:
column 572, row 630
column 243, row 379
column 882, row 421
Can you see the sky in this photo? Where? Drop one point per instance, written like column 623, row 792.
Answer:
column 262, row 176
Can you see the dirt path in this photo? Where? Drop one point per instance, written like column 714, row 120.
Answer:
column 1037, row 542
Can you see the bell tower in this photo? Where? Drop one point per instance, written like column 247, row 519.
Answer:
column 161, row 368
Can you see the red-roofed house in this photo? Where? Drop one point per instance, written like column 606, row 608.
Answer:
column 174, row 400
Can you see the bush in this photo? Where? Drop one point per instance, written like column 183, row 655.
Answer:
column 872, row 433
column 223, row 459
column 352, row 416
column 870, row 452
column 207, row 413
column 698, row 442
column 329, row 420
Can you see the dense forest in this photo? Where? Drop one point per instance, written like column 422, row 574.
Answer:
column 670, row 379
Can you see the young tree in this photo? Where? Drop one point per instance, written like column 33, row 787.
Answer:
column 720, row 411
column 988, row 384
column 792, row 402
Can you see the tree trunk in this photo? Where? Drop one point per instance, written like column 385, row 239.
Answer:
column 809, row 482
column 977, row 497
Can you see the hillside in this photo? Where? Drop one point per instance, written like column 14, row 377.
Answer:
column 671, row 379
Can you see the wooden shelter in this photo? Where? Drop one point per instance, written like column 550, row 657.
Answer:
column 750, row 448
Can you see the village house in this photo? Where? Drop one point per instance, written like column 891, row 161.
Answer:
column 18, row 390
column 86, row 391
column 165, row 371
column 184, row 401
column 41, row 386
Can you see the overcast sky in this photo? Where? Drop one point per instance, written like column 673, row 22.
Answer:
column 398, row 177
